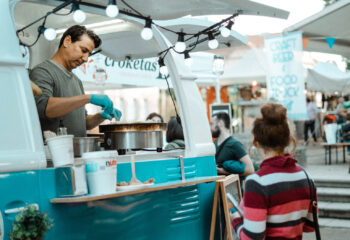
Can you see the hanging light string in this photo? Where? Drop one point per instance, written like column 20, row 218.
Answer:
column 63, row 5
column 136, row 14
column 37, row 37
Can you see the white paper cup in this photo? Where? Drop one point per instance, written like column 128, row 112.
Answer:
column 101, row 171
column 61, row 149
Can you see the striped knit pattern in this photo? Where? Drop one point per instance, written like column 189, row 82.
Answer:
column 276, row 202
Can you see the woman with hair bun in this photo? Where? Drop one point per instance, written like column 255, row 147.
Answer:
column 277, row 198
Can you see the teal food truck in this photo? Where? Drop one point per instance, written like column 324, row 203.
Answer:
column 178, row 205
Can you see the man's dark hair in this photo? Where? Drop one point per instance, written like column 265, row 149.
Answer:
column 224, row 117
column 76, row 31
column 174, row 130
column 152, row 115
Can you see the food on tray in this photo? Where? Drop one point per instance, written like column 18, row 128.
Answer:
column 149, row 181
column 122, row 184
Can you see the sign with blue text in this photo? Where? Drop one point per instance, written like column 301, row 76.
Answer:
column 102, row 70
column 285, row 75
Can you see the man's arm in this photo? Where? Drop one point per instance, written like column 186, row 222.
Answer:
column 249, row 168
column 93, row 120
column 60, row 106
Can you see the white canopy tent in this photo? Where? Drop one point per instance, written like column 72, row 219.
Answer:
column 251, row 67
column 330, row 22
column 327, row 78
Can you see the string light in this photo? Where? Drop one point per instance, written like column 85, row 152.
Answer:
column 112, row 9
column 146, row 32
column 188, row 59
column 212, row 43
column 226, row 30
column 49, row 33
column 180, row 45
column 162, row 68
column 79, row 16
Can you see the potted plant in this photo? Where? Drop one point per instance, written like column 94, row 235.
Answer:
column 30, row 224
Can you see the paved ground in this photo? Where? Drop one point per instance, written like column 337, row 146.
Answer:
column 330, row 234
column 316, row 163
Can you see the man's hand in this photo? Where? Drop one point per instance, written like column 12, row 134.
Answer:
column 103, row 101
column 222, row 171
column 114, row 114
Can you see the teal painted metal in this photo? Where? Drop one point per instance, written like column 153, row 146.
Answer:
column 181, row 213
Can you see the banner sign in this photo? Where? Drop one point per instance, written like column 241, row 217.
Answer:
column 285, row 75
column 101, row 70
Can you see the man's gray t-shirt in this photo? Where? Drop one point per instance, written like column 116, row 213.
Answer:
column 55, row 81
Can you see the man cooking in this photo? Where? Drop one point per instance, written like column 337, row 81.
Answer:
column 63, row 96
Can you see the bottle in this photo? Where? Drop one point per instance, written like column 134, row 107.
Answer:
column 61, row 130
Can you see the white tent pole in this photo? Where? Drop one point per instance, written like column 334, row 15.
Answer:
column 217, row 89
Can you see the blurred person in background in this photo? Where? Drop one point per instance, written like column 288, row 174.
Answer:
column 312, row 111
column 174, row 135
column 231, row 156
column 155, row 117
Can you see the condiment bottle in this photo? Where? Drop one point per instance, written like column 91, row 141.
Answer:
column 61, row 130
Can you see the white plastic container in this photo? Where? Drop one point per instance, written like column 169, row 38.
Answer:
column 331, row 133
column 61, row 149
column 101, row 171
column 80, row 177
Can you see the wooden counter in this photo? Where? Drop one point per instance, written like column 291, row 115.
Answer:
column 152, row 188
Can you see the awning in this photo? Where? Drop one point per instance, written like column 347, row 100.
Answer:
column 165, row 10
column 328, row 78
column 330, row 22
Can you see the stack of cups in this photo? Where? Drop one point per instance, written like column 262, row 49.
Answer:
column 61, row 149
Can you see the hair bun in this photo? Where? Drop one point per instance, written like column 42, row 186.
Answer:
column 273, row 113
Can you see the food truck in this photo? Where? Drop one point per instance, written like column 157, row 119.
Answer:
column 178, row 205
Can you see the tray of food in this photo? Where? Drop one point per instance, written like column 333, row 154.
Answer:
column 124, row 186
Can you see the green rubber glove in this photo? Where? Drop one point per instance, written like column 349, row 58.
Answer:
column 114, row 114
column 103, row 101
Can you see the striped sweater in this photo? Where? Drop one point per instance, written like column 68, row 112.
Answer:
column 276, row 202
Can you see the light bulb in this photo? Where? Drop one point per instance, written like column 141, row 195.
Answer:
column 225, row 32
column 164, row 70
column 112, row 10
column 50, row 34
column 79, row 16
column 213, row 44
column 188, row 62
column 180, row 46
column 146, row 33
